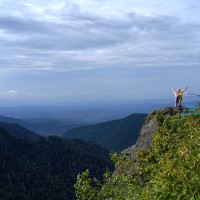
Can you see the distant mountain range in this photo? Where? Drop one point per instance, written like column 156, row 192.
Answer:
column 91, row 113
column 115, row 135
column 43, row 127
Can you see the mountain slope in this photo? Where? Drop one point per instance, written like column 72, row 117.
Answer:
column 47, row 127
column 19, row 131
column 164, row 163
column 115, row 135
column 46, row 168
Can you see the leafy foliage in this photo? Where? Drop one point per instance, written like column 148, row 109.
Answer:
column 169, row 169
column 116, row 186
column 172, row 165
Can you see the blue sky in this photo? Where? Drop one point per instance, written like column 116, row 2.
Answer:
column 61, row 51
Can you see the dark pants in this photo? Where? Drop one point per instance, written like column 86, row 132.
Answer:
column 178, row 101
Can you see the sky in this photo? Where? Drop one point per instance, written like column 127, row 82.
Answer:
column 84, row 51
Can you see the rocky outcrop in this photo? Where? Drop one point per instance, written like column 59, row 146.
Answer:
column 151, row 125
column 145, row 136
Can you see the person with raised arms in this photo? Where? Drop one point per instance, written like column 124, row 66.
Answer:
column 179, row 96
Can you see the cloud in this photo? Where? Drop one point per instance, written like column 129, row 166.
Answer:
column 20, row 25
column 12, row 94
column 87, row 39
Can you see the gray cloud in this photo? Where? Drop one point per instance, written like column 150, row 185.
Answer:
column 19, row 25
column 89, row 31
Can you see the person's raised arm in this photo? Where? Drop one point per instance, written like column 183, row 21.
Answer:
column 173, row 91
column 185, row 89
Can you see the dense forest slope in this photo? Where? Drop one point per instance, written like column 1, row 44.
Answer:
column 46, row 168
column 114, row 135
column 163, row 164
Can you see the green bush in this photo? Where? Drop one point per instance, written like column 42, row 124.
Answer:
column 172, row 165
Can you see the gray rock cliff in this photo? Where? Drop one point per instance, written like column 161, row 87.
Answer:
column 145, row 136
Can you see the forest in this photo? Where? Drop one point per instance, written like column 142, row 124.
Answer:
column 46, row 168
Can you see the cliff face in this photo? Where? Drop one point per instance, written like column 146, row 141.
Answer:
column 151, row 125
column 145, row 137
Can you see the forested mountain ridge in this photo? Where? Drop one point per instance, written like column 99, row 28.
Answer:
column 18, row 131
column 115, row 135
column 163, row 164
column 46, row 168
